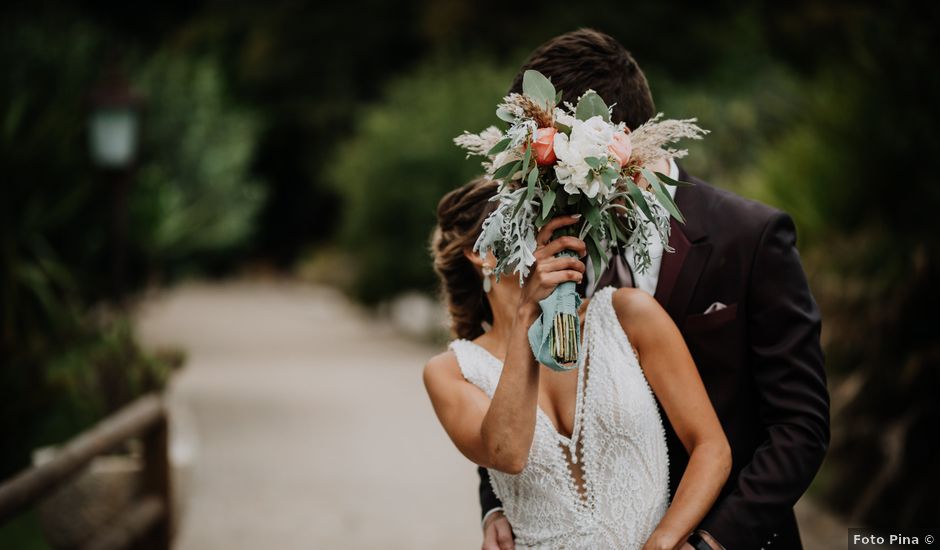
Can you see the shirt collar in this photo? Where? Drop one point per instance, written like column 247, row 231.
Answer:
column 673, row 174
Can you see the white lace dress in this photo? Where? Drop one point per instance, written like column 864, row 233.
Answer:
column 608, row 485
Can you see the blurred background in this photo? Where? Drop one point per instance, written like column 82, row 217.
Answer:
column 230, row 203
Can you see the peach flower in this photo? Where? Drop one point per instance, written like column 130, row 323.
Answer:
column 621, row 148
column 544, row 146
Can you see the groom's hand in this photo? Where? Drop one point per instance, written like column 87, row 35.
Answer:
column 497, row 533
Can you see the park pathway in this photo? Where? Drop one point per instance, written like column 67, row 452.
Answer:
column 305, row 425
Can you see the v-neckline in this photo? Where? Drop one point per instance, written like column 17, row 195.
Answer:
column 581, row 388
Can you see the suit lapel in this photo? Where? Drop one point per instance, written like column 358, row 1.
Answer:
column 680, row 270
column 672, row 264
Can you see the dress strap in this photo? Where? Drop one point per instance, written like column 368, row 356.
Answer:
column 476, row 364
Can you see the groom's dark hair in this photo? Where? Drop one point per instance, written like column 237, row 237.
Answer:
column 586, row 59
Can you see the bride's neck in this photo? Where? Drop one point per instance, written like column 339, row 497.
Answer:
column 504, row 302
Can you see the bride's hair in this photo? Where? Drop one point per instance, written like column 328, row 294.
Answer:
column 460, row 215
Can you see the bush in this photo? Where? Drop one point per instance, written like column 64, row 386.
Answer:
column 194, row 202
column 399, row 163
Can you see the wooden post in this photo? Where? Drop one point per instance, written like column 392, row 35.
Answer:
column 157, row 481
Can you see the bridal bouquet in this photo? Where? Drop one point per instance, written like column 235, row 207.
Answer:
column 558, row 160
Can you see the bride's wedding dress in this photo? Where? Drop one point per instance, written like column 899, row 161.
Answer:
column 607, row 486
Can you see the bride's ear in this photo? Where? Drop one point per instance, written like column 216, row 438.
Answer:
column 474, row 258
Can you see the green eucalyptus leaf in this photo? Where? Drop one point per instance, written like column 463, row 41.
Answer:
column 610, row 175
column 594, row 251
column 500, row 146
column 505, row 171
column 531, row 181
column 669, row 181
column 539, row 88
column 503, row 114
column 591, row 105
column 548, row 201
column 615, row 231
column 593, row 215
column 595, row 162
column 526, row 159
column 639, row 199
column 515, row 209
column 664, row 198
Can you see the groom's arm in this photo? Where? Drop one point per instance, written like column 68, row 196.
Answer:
column 786, row 359
column 488, row 500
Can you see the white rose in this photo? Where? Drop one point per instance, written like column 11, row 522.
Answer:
column 592, row 136
column 571, row 169
column 562, row 117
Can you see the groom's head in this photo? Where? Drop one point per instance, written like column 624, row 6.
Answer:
column 590, row 60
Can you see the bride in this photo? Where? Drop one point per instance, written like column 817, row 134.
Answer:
column 578, row 458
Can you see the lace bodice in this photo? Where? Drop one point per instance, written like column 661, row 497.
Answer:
column 607, row 486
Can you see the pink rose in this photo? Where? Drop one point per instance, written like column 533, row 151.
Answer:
column 621, row 148
column 544, row 146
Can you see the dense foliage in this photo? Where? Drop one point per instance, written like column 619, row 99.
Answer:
column 68, row 356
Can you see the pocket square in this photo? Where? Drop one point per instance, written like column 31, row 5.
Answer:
column 717, row 306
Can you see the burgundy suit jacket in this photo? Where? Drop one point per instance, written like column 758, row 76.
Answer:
column 759, row 357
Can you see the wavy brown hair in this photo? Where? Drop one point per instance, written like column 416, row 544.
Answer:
column 460, row 215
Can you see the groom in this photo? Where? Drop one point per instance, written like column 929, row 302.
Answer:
column 736, row 289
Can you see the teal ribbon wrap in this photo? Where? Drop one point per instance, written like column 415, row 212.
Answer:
column 564, row 299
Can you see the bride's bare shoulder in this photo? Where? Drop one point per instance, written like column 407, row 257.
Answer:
column 442, row 367
column 634, row 306
column 632, row 301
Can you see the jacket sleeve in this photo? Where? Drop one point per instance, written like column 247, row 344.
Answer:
column 786, row 360
column 488, row 499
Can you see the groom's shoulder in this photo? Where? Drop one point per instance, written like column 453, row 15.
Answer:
column 724, row 209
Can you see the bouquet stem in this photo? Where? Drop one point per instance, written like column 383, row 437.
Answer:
column 555, row 337
column 563, row 337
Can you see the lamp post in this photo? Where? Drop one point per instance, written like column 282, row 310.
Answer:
column 113, row 136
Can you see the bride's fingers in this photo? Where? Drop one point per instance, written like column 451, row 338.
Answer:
column 561, row 263
column 545, row 234
column 561, row 243
column 555, row 278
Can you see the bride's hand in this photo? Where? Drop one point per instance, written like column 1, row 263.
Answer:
column 548, row 271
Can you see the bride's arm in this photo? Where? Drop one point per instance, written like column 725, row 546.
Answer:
column 672, row 375
column 498, row 434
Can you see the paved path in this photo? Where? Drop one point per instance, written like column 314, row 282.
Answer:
column 307, row 424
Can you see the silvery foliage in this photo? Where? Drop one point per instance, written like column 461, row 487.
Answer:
column 509, row 233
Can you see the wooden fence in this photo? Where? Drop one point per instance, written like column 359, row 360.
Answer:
column 146, row 523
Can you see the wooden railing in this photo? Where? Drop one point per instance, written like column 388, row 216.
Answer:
column 147, row 521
